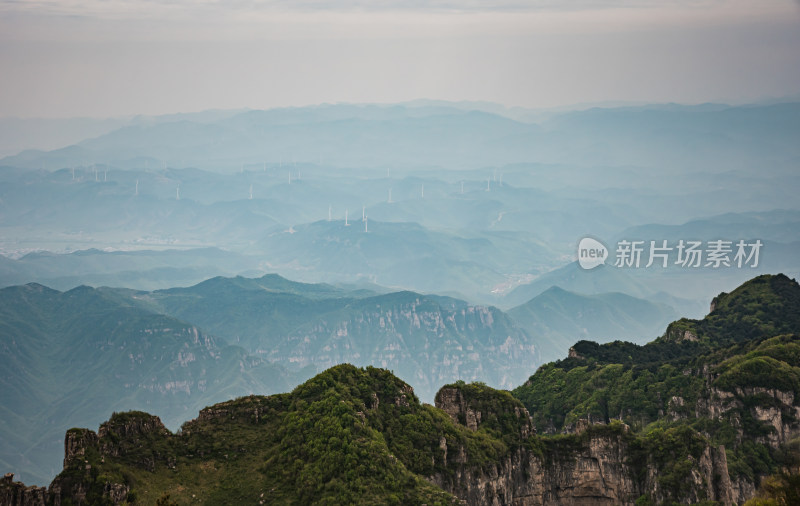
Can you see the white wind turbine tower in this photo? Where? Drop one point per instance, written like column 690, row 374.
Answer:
column 345, row 219
column 136, row 192
column 363, row 213
column 251, row 191
column 329, row 213
column 390, row 195
column 488, row 183
column 178, row 192
column 366, row 224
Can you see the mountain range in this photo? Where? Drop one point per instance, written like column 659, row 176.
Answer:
column 425, row 197
column 269, row 333
column 703, row 414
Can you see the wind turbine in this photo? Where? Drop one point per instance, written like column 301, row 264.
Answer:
column 422, row 191
column 251, row 191
column 178, row 193
column 488, row 182
column 390, row 195
column 329, row 213
column 345, row 219
column 363, row 213
column 137, row 188
column 366, row 224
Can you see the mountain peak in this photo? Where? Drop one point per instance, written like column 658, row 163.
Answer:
column 765, row 306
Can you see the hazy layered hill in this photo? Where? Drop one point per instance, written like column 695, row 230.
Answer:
column 139, row 269
column 558, row 318
column 429, row 339
column 448, row 136
column 693, row 137
column 776, row 226
column 602, row 279
column 489, row 199
column 407, row 255
column 68, row 357
column 700, row 415
column 687, row 289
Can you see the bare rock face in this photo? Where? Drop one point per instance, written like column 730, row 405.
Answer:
column 14, row 493
column 82, row 445
column 590, row 469
column 595, row 474
column 75, row 443
column 452, row 402
column 589, row 465
column 474, row 405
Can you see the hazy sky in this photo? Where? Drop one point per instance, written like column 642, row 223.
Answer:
column 118, row 57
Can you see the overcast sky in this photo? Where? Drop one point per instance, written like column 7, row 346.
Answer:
column 107, row 58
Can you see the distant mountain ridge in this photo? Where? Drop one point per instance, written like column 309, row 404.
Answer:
column 429, row 339
column 354, row 135
column 562, row 317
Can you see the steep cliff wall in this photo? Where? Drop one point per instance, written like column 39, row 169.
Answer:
column 594, row 464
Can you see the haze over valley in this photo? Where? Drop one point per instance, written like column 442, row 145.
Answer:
column 385, row 252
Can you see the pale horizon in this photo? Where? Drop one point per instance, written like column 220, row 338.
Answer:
column 106, row 60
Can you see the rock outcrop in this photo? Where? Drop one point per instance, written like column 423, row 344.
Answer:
column 590, row 464
column 14, row 493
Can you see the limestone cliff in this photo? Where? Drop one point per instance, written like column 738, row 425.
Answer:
column 596, row 464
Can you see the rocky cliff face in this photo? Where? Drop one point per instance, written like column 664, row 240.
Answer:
column 421, row 340
column 592, row 475
column 14, row 493
column 592, row 465
column 124, row 435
